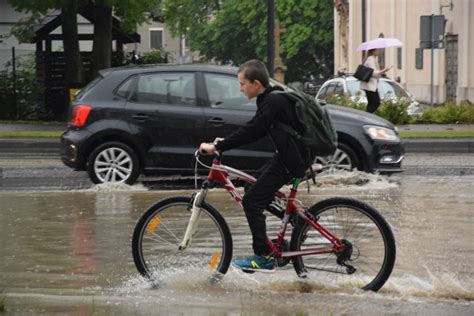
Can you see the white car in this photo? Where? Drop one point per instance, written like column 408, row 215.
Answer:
column 350, row 87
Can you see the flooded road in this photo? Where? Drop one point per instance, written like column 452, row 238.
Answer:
column 69, row 253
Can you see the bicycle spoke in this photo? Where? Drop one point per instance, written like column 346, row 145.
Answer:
column 159, row 248
column 372, row 250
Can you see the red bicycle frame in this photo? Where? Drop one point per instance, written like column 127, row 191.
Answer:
column 220, row 173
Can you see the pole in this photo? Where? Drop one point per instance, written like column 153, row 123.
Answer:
column 270, row 36
column 14, row 75
column 432, row 58
column 364, row 27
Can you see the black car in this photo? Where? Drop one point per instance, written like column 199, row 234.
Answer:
column 151, row 119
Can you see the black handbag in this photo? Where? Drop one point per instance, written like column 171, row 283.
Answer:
column 363, row 73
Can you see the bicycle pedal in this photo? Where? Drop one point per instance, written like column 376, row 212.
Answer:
column 248, row 271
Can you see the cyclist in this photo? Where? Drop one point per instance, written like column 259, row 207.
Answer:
column 289, row 160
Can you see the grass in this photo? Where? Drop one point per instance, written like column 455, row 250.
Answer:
column 437, row 134
column 30, row 134
column 48, row 123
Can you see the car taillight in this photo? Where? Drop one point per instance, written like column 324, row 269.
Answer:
column 80, row 113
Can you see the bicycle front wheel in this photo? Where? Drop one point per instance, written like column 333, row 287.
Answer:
column 160, row 231
column 369, row 254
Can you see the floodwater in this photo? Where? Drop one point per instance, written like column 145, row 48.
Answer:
column 69, row 253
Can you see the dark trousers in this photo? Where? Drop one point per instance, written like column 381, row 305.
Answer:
column 258, row 196
column 373, row 100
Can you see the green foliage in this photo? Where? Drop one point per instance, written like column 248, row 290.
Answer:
column 345, row 101
column 395, row 112
column 231, row 32
column 131, row 12
column 156, row 56
column 450, row 113
column 19, row 92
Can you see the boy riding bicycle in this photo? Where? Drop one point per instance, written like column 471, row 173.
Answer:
column 288, row 161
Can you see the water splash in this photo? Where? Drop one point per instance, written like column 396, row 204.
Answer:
column 355, row 179
column 442, row 286
column 116, row 187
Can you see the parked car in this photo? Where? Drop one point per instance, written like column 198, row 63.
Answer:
column 150, row 120
column 350, row 87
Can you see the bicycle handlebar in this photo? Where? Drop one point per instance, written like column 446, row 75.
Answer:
column 200, row 152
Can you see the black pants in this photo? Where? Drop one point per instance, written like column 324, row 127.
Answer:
column 258, row 196
column 373, row 100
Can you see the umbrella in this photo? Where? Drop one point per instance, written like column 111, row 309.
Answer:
column 379, row 43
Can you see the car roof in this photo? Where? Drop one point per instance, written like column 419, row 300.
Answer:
column 170, row 67
column 352, row 78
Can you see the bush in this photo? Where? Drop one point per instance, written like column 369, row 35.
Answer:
column 395, row 112
column 450, row 113
column 19, row 92
column 156, row 56
column 345, row 101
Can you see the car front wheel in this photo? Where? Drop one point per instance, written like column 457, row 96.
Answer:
column 343, row 159
column 113, row 162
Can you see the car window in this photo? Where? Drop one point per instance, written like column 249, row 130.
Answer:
column 331, row 88
column 399, row 92
column 224, row 92
column 88, row 87
column 339, row 90
column 125, row 88
column 387, row 90
column 353, row 87
column 165, row 88
column 322, row 93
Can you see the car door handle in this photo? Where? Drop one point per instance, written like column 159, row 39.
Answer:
column 140, row 117
column 216, row 121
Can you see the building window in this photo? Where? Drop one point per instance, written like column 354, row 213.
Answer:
column 399, row 58
column 156, row 38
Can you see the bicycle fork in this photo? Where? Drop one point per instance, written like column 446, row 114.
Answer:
column 196, row 210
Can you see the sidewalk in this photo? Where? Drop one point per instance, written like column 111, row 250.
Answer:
column 412, row 145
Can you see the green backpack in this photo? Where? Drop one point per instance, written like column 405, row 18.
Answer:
column 319, row 135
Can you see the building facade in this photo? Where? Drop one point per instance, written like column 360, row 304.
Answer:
column 356, row 21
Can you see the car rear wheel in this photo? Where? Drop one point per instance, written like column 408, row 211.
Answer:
column 113, row 162
column 343, row 159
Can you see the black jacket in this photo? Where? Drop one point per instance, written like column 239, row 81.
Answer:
column 270, row 108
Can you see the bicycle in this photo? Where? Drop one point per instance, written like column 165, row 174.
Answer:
column 337, row 237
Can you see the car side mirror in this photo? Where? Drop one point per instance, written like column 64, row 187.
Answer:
column 322, row 102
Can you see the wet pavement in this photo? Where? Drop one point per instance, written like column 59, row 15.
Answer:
column 68, row 252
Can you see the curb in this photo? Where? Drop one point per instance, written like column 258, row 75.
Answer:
column 29, row 145
column 415, row 145
column 436, row 145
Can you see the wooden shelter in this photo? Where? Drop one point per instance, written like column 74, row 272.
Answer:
column 50, row 65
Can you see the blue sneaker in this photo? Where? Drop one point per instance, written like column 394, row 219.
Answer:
column 256, row 263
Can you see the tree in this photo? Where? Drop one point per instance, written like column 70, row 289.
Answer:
column 233, row 31
column 131, row 13
column 74, row 69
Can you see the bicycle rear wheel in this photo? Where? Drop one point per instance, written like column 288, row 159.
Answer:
column 370, row 256
column 160, row 231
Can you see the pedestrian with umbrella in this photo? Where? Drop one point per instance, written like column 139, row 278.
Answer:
column 371, row 60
